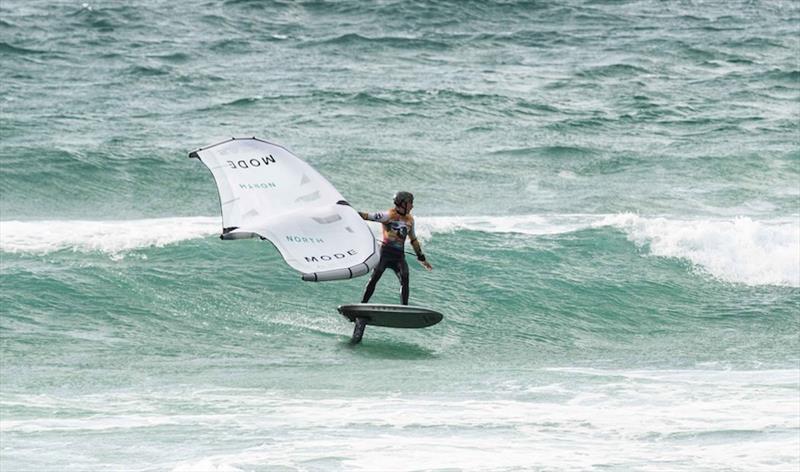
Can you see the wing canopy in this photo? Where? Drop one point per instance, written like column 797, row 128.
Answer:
column 266, row 191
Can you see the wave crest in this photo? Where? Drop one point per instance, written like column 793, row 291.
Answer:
column 737, row 250
column 110, row 237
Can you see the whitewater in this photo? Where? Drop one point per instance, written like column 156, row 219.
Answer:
column 737, row 250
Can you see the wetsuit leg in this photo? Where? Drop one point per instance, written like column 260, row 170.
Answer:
column 401, row 269
column 377, row 272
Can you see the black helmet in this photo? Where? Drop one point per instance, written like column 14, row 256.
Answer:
column 402, row 197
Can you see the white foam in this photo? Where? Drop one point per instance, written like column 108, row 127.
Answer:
column 110, row 237
column 682, row 420
column 739, row 250
column 534, row 225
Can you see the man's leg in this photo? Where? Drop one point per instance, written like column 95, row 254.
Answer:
column 373, row 281
column 401, row 269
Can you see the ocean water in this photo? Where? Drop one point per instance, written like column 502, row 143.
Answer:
column 609, row 193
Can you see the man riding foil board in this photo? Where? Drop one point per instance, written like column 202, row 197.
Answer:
column 398, row 224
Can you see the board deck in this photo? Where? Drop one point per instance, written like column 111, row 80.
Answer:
column 391, row 316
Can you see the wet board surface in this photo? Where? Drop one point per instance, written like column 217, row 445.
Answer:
column 391, row 316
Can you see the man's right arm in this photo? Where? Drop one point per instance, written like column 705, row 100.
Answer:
column 381, row 216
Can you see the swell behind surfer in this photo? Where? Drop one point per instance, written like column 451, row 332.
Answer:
column 397, row 225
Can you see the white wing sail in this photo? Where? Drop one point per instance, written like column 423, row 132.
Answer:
column 266, row 191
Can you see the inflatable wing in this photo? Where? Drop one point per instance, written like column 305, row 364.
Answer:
column 266, row 191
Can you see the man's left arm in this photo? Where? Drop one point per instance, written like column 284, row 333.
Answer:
column 418, row 248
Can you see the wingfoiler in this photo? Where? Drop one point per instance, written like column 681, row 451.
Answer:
column 265, row 191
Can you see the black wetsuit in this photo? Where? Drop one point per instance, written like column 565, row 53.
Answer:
column 396, row 228
column 393, row 259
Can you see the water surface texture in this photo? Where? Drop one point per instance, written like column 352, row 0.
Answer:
column 609, row 193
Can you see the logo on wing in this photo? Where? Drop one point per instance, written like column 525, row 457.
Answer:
column 331, row 257
column 250, row 163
